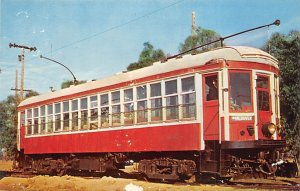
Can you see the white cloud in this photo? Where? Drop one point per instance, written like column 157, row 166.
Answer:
column 21, row 13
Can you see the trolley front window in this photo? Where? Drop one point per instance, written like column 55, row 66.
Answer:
column 240, row 91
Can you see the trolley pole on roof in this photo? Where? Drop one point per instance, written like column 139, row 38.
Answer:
column 221, row 39
column 276, row 22
column 21, row 59
column 74, row 78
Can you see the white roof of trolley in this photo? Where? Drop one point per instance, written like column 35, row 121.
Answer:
column 233, row 53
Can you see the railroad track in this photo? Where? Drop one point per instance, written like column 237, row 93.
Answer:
column 287, row 186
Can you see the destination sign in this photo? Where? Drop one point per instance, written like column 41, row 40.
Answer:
column 242, row 118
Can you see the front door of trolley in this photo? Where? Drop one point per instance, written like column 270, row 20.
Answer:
column 210, row 106
column 263, row 102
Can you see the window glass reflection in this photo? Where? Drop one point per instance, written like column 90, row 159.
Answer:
column 240, row 91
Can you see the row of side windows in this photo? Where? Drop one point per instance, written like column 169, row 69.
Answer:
column 169, row 100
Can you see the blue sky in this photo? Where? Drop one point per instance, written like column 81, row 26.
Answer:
column 97, row 38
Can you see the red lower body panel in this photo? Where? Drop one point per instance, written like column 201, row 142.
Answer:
column 159, row 138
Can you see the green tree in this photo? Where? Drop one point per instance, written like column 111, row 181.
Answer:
column 31, row 93
column 286, row 48
column 147, row 57
column 202, row 36
column 68, row 83
column 8, row 124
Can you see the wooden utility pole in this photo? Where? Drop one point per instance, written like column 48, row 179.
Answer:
column 21, row 59
column 194, row 26
column 17, row 94
column 16, row 87
column 22, row 74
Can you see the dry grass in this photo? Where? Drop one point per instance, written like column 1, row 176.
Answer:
column 50, row 183
column 5, row 165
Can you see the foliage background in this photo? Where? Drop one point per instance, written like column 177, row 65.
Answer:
column 286, row 48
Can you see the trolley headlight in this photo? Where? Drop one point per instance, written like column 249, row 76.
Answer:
column 269, row 129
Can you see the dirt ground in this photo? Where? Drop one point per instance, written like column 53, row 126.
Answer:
column 71, row 183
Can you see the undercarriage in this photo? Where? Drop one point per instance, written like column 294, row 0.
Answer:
column 260, row 159
column 220, row 161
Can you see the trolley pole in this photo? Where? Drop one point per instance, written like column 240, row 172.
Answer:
column 221, row 39
column 75, row 81
column 21, row 59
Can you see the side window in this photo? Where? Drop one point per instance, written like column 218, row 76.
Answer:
column 36, row 120
column 156, row 102
column 43, row 119
column 66, row 116
column 104, row 108
column 263, row 93
column 142, row 109
column 57, row 109
column 171, row 100
column 94, row 112
column 29, row 122
column 211, row 87
column 83, row 113
column 116, row 108
column 188, row 98
column 23, row 119
column 128, row 107
column 74, row 113
column 50, row 124
column 141, row 92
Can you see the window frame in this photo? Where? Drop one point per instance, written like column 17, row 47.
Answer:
column 36, row 117
column 251, row 107
column 206, row 99
column 105, row 110
column 50, row 119
column 55, row 115
column 29, row 121
column 189, row 105
column 128, row 116
column 265, row 90
column 93, row 120
column 64, row 113
column 169, row 108
column 74, row 114
column 43, row 119
column 115, row 104
column 146, row 100
column 153, row 110
column 83, row 114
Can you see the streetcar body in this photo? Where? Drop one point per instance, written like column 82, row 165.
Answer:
column 185, row 115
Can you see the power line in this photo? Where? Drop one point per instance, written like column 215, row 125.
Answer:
column 116, row 26
column 110, row 29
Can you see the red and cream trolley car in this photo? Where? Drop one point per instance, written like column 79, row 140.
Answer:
column 215, row 112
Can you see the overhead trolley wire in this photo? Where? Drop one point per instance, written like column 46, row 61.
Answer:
column 116, row 26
